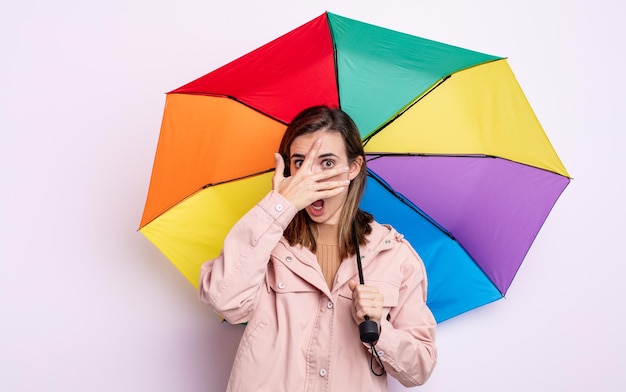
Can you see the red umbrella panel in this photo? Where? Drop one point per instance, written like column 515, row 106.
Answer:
column 457, row 159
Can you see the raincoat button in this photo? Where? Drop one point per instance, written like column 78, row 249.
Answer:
column 279, row 207
column 289, row 259
column 381, row 353
column 387, row 241
column 329, row 305
column 281, row 285
column 323, row 372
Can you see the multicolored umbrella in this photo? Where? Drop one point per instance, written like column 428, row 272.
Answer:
column 457, row 160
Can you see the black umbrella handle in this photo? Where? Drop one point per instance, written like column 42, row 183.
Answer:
column 368, row 329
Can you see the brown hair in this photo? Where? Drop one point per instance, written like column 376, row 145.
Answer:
column 318, row 118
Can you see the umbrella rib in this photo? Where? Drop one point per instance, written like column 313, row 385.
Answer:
column 235, row 179
column 205, row 187
column 336, row 69
column 372, row 156
column 408, row 203
column 377, row 155
column 419, row 98
column 393, row 118
column 236, row 100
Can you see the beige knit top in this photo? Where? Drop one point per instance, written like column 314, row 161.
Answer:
column 328, row 251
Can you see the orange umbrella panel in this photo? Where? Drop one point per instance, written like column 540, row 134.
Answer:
column 204, row 141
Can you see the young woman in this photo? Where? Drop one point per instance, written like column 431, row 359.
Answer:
column 288, row 270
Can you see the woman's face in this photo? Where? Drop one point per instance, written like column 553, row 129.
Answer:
column 332, row 154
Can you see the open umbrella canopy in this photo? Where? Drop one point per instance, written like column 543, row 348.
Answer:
column 457, row 160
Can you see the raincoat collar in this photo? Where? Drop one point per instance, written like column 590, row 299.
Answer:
column 302, row 262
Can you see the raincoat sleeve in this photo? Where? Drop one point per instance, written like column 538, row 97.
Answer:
column 407, row 339
column 230, row 283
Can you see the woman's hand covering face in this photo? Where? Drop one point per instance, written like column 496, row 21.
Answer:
column 307, row 185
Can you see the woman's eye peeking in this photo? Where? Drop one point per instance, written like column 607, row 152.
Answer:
column 297, row 163
column 328, row 164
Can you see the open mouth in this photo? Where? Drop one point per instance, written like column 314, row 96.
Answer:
column 317, row 205
column 316, row 208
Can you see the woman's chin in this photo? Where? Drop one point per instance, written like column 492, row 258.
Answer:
column 315, row 215
column 323, row 218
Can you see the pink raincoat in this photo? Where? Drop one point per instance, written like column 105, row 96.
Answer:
column 300, row 335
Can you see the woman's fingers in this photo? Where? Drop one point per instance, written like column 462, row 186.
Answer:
column 278, row 171
column 308, row 184
column 329, row 173
column 301, row 194
column 303, row 188
column 309, row 158
column 367, row 301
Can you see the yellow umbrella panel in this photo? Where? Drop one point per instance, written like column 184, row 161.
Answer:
column 478, row 111
column 194, row 231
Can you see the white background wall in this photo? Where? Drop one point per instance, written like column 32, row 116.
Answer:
column 88, row 304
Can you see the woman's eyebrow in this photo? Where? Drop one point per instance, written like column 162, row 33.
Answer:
column 325, row 155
